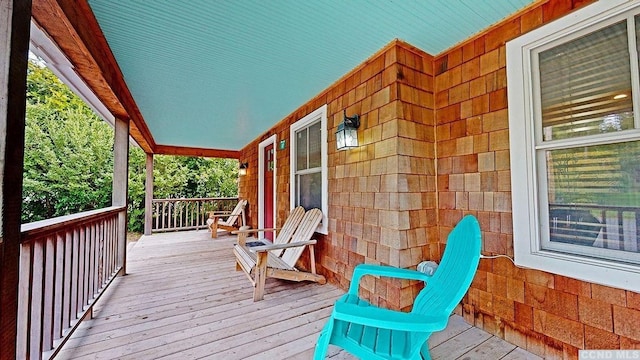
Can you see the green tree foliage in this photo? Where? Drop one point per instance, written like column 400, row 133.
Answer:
column 178, row 177
column 68, row 164
column 69, row 160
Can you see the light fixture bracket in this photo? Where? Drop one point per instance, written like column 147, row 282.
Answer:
column 351, row 121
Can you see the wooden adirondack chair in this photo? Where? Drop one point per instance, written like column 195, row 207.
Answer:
column 283, row 236
column 234, row 219
column 370, row 332
column 258, row 262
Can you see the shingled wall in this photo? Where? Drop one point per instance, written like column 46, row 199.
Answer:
column 550, row 315
column 392, row 202
column 382, row 204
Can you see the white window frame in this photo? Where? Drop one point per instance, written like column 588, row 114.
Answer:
column 321, row 115
column 527, row 187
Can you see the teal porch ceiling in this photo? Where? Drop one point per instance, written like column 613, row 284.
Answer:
column 217, row 74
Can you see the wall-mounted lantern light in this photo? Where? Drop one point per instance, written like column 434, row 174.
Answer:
column 242, row 171
column 347, row 134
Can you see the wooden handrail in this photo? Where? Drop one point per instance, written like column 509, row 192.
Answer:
column 40, row 228
column 196, row 199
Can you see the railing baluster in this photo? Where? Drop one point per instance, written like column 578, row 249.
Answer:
column 605, row 229
column 196, row 214
column 24, row 306
column 110, row 250
column 178, row 214
column 173, row 215
column 186, row 208
column 620, row 230
column 114, row 246
column 89, row 264
column 97, row 264
column 104, row 257
column 75, row 278
column 102, row 254
column 59, row 286
column 155, row 216
column 192, row 208
column 82, row 270
column 68, row 281
column 170, row 215
column 48, row 293
column 35, row 323
column 94, row 260
column 163, row 214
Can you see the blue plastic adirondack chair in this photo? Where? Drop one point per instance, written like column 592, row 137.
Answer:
column 370, row 332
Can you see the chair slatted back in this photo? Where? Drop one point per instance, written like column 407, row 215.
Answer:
column 455, row 272
column 288, row 228
column 304, row 232
column 237, row 211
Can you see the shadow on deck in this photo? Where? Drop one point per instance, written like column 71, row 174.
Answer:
column 183, row 299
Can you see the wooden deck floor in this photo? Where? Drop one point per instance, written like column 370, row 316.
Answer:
column 183, row 299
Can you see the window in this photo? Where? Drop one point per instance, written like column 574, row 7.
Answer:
column 308, row 182
column 574, row 120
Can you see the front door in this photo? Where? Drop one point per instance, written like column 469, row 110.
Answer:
column 267, row 177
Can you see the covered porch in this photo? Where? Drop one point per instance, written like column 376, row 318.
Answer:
column 434, row 145
column 182, row 299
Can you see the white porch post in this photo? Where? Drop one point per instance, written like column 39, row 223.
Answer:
column 120, row 181
column 148, row 195
column 15, row 18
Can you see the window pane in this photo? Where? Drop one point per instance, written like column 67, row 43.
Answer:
column 585, row 85
column 315, row 159
column 301, row 149
column 594, row 197
column 310, row 190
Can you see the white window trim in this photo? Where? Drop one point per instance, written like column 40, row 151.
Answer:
column 271, row 140
column 526, row 233
column 321, row 114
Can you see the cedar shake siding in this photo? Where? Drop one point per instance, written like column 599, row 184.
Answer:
column 434, row 145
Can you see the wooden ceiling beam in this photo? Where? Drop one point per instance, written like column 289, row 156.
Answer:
column 192, row 151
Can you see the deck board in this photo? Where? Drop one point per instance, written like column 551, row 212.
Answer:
column 183, row 299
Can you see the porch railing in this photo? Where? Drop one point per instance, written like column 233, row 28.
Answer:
column 186, row 214
column 65, row 265
column 616, row 227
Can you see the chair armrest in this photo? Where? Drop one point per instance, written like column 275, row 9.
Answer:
column 219, row 212
column 385, row 271
column 389, row 319
column 282, row 246
column 250, row 231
